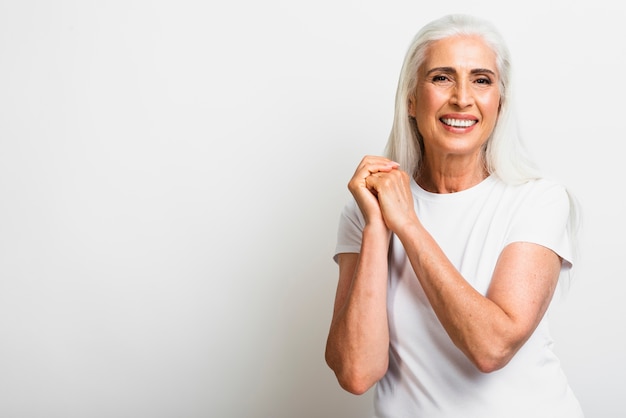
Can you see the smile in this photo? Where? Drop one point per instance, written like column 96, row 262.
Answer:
column 459, row 123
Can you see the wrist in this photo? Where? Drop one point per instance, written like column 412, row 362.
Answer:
column 376, row 231
column 410, row 228
column 375, row 227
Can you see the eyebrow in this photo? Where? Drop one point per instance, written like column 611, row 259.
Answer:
column 451, row 70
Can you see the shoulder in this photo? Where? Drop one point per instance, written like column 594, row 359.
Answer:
column 540, row 201
column 350, row 229
column 545, row 191
column 535, row 185
column 546, row 185
column 538, row 191
column 536, row 201
column 540, row 214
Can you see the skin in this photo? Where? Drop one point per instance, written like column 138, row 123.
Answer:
column 458, row 80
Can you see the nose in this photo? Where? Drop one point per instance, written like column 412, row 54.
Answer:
column 462, row 96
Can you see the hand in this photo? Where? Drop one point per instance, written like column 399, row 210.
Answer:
column 365, row 196
column 395, row 199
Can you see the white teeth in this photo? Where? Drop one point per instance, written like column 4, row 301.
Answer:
column 458, row 123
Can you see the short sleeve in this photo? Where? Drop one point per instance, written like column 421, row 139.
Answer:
column 543, row 219
column 350, row 230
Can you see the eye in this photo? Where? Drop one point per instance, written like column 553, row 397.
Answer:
column 484, row 80
column 441, row 78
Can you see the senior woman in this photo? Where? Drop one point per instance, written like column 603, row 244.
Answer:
column 451, row 250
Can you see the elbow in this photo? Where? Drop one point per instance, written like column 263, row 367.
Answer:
column 493, row 358
column 354, row 378
column 353, row 386
column 490, row 365
column 493, row 353
column 358, row 384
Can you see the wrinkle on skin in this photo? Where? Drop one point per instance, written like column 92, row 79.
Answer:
column 458, row 80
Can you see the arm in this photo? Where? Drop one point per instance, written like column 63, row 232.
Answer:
column 357, row 348
column 489, row 329
column 358, row 342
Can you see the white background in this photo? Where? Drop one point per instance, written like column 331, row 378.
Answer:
column 171, row 174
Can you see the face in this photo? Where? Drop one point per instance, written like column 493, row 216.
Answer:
column 457, row 98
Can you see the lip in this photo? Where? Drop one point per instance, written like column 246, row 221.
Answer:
column 459, row 116
column 462, row 116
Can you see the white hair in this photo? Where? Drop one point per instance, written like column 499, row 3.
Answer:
column 505, row 155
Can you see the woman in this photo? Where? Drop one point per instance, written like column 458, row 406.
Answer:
column 451, row 251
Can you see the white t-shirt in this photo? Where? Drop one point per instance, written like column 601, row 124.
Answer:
column 428, row 376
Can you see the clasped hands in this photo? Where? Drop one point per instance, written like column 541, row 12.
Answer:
column 383, row 192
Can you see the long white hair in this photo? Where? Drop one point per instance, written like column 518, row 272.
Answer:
column 505, row 155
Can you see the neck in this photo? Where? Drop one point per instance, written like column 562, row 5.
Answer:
column 450, row 180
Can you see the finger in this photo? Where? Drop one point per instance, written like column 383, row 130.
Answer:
column 372, row 182
column 370, row 165
column 371, row 160
column 395, row 179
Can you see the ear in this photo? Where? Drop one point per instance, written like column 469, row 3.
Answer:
column 411, row 106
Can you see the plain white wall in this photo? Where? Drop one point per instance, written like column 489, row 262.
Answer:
column 171, row 174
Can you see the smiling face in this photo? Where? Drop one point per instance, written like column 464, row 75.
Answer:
column 457, row 98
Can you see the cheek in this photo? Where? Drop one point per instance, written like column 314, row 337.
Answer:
column 429, row 102
column 491, row 107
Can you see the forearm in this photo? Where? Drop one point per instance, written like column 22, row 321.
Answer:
column 358, row 343
column 477, row 326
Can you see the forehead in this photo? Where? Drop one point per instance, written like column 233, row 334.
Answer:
column 460, row 52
